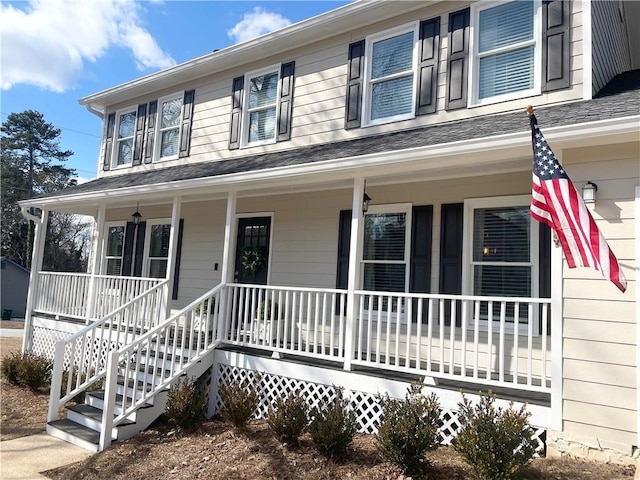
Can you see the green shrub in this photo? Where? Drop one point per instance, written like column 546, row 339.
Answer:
column 27, row 370
column 333, row 426
column 289, row 419
column 240, row 401
column 409, row 429
column 186, row 403
column 10, row 367
column 495, row 442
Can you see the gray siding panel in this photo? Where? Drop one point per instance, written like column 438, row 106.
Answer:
column 610, row 48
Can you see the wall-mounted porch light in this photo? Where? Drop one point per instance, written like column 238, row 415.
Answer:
column 365, row 202
column 589, row 192
column 136, row 216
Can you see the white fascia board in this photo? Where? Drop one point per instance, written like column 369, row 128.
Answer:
column 312, row 30
column 245, row 180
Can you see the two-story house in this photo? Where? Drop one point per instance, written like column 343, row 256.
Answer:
column 345, row 203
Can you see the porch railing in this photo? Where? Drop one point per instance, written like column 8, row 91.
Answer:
column 495, row 341
column 157, row 358
column 81, row 359
column 302, row 321
column 67, row 294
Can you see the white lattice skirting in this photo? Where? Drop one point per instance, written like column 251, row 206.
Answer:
column 365, row 405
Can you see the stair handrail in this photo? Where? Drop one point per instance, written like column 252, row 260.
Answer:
column 90, row 367
column 194, row 325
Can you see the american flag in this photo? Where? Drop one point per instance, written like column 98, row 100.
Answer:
column 556, row 202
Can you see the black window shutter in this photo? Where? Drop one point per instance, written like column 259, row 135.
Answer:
column 236, row 112
column 556, row 15
column 353, row 107
column 151, row 131
column 344, row 243
column 187, row 120
column 141, row 116
column 420, row 267
column 287, row 73
column 139, row 251
column 451, row 248
column 176, row 276
column 108, row 144
column 128, row 249
column 428, row 68
column 458, row 62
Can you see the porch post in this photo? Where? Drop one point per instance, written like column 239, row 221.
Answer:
column 227, row 263
column 354, row 271
column 34, row 277
column 96, row 257
column 173, row 252
column 557, row 322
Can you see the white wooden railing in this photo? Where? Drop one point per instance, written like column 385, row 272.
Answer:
column 160, row 356
column 302, row 321
column 495, row 341
column 83, row 356
column 68, row 294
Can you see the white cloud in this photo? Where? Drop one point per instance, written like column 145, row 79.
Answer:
column 47, row 43
column 255, row 23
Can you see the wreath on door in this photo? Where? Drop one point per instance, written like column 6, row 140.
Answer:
column 253, row 259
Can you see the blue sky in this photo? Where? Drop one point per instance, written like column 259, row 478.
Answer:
column 57, row 51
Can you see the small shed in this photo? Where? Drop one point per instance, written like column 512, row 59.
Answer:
column 14, row 286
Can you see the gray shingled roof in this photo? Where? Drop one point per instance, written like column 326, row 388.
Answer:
column 620, row 98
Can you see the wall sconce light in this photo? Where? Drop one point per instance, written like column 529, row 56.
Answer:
column 365, row 202
column 589, row 192
column 136, row 216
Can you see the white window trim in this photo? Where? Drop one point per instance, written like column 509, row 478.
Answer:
column 474, row 68
column 405, row 208
column 105, row 257
column 115, row 140
column 367, row 90
column 467, row 253
column 157, row 148
column 244, row 143
column 147, row 244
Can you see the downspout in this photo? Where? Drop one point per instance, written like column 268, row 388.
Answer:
column 94, row 111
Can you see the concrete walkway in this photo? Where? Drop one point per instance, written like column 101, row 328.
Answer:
column 25, row 457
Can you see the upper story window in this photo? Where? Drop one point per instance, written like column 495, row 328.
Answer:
column 506, row 50
column 150, row 132
column 261, row 106
column 390, row 75
column 170, row 112
column 126, row 124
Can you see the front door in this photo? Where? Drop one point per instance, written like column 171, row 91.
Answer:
column 252, row 250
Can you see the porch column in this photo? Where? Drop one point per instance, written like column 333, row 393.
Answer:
column 557, row 322
column 355, row 252
column 228, row 264
column 96, row 257
column 34, row 277
column 173, row 252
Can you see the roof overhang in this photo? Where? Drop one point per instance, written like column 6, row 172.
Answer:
column 500, row 153
column 312, row 30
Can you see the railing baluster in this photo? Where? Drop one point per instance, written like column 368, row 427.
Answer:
column 408, row 320
column 463, row 339
column 489, row 339
column 430, row 322
column 503, row 313
column 529, row 344
column 441, row 319
column 476, row 337
column 452, row 335
column 516, row 337
column 543, row 376
column 398, row 328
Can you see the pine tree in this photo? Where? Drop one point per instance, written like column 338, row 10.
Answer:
column 31, row 165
